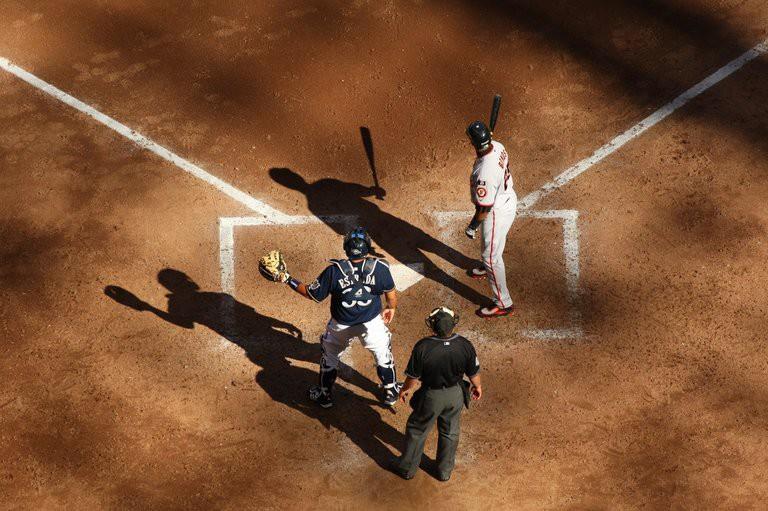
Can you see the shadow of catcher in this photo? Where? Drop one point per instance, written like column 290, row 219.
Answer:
column 270, row 344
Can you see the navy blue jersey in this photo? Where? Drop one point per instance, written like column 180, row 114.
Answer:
column 355, row 288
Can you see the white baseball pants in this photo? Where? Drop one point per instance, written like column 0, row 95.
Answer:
column 374, row 336
column 494, row 236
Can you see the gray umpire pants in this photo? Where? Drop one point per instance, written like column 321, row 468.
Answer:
column 443, row 406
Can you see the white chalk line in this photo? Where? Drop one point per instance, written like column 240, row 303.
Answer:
column 557, row 334
column 444, row 220
column 405, row 275
column 570, row 222
column 276, row 217
column 227, row 237
column 638, row 129
column 271, row 216
column 227, row 227
column 143, row 142
column 262, row 208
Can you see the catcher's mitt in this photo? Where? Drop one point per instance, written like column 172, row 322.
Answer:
column 124, row 297
column 272, row 267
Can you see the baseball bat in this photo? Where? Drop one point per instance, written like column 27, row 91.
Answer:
column 495, row 112
column 365, row 134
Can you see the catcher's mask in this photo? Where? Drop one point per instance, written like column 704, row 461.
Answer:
column 442, row 321
column 357, row 243
column 479, row 135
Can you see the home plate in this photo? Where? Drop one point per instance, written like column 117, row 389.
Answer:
column 406, row 275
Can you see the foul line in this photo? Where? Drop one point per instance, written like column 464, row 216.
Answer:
column 142, row 141
column 274, row 216
column 260, row 207
column 638, row 129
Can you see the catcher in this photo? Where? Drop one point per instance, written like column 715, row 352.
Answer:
column 355, row 286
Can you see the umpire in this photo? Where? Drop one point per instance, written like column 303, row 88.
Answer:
column 440, row 362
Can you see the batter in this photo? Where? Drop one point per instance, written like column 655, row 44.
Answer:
column 495, row 210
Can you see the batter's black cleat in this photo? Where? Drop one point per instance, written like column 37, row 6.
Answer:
column 495, row 311
column 478, row 273
column 443, row 477
column 321, row 397
column 391, row 395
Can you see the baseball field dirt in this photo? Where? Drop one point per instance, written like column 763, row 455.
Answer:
column 633, row 376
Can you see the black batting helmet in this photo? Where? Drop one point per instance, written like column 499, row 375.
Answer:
column 357, row 243
column 479, row 135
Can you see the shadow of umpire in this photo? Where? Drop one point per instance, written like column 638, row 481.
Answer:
column 272, row 345
column 402, row 240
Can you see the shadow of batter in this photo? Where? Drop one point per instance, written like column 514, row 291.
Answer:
column 271, row 344
column 404, row 241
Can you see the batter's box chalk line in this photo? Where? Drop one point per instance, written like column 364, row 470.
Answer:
column 446, row 220
column 409, row 274
column 405, row 275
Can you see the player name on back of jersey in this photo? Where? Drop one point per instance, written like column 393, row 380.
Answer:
column 348, row 280
column 355, row 288
column 491, row 180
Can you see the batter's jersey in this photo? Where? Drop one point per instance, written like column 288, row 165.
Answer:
column 355, row 288
column 491, row 180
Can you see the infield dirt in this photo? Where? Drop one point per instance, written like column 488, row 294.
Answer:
column 660, row 405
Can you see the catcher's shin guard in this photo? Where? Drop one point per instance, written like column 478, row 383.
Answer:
column 328, row 369
column 387, row 375
column 327, row 378
column 388, row 378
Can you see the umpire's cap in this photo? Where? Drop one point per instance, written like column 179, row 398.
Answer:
column 442, row 321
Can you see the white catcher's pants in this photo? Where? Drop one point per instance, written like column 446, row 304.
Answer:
column 494, row 236
column 374, row 336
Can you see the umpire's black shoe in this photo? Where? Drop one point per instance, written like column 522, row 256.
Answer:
column 321, row 397
column 395, row 468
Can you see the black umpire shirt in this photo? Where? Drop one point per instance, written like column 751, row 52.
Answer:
column 442, row 362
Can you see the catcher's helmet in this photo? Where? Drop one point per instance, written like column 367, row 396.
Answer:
column 357, row 243
column 479, row 135
column 442, row 321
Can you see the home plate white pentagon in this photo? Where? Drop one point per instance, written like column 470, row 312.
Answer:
column 406, row 275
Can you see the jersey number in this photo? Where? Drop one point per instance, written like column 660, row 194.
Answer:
column 353, row 303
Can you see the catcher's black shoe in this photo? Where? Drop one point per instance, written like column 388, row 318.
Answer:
column 321, row 397
column 391, row 395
